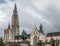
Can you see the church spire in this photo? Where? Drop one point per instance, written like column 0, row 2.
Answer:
column 15, row 21
column 15, row 7
column 41, row 26
column 9, row 26
column 41, row 29
column 35, row 27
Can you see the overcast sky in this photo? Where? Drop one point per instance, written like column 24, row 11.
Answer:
column 31, row 12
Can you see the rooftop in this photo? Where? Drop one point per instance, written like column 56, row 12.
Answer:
column 53, row 34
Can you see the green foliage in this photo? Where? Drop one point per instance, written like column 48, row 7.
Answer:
column 28, row 44
column 40, row 43
column 57, row 43
column 1, row 42
column 52, row 42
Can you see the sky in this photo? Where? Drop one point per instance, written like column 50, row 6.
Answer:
column 31, row 13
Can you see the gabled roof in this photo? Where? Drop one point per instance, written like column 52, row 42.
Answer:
column 53, row 34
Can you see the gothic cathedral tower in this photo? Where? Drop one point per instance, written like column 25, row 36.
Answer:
column 15, row 22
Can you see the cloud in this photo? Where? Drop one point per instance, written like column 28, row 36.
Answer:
column 32, row 12
column 2, row 1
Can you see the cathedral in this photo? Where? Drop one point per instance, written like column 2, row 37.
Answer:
column 11, row 34
column 12, row 31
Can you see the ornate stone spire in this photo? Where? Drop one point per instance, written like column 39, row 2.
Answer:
column 15, row 7
column 41, row 29
column 41, row 26
column 35, row 27
column 9, row 26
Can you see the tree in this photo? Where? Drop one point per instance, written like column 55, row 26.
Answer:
column 1, row 42
column 40, row 43
column 28, row 44
column 57, row 42
column 52, row 42
column 24, row 35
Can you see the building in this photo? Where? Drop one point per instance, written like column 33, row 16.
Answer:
column 11, row 34
column 12, row 31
